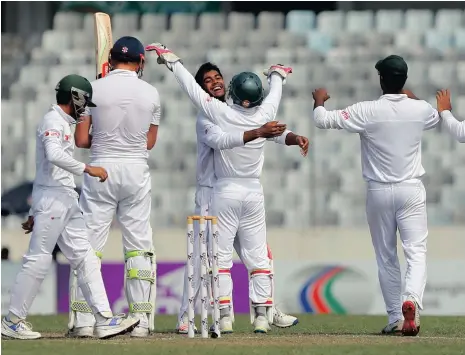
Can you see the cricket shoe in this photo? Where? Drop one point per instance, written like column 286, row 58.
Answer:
column 81, row 332
column 183, row 325
column 261, row 325
column 283, row 320
column 140, row 332
column 226, row 325
column 411, row 325
column 21, row 330
column 114, row 326
column 394, row 328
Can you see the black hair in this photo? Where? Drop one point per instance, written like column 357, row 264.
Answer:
column 63, row 97
column 393, row 84
column 205, row 68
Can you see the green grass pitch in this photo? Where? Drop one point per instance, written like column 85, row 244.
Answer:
column 315, row 335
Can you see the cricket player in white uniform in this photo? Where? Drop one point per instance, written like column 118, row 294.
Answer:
column 55, row 217
column 390, row 130
column 455, row 128
column 124, row 127
column 237, row 194
column 210, row 78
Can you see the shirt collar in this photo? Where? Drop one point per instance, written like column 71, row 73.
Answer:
column 123, row 72
column 63, row 114
column 393, row 97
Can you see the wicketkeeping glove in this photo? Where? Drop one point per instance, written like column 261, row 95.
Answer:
column 280, row 69
column 165, row 55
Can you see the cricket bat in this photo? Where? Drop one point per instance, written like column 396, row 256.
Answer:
column 103, row 43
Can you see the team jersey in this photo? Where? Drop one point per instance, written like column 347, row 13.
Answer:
column 126, row 107
column 55, row 165
column 390, row 129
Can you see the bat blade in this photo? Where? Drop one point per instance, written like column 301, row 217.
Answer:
column 103, row 43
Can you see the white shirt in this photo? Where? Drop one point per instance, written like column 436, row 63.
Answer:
column 126, row 107
column 55, row 165
column 241, row 162
column 455, row 128
column 390, row 129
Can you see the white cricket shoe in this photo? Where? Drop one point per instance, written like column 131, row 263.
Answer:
column 81, row 332
column 261, row 325
column 114, row 326
column 226, row 325
column 21, row 330
column 140, row 332
column 394, row 328
column 183, row 325
column 411, row 325
column 283, row 320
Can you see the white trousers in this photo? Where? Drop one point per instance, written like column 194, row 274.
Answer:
column 392, row 207
column 126, row 194
column 240, row 207
column 58, row 219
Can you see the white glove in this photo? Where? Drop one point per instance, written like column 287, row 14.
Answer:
column 165, row 55
column 279, row 69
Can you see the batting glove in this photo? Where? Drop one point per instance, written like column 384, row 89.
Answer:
column 165, row 55
column 280, row 69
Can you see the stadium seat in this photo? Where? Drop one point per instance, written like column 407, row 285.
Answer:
column 418, row 20
column 441, row 74
column 300, row 21
column 319, row 42
column 124, row 23
column 212, row 22
column 330, row 22
column 389, row 21
column 290, row 40
column 56, row 42
column 270, row 21
column 440, row 41
column 447, row 20
column 153, row 23
column 240, row 22
column 182, row 22
column 359, row 21
column 67, row 21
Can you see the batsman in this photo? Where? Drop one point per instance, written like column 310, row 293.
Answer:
column 124, row 128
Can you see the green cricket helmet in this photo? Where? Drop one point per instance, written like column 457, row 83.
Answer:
column 77, row 89
column 246, row 90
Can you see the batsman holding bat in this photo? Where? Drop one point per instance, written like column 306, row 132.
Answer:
column 390, row 130
column 55, row 217
column 124, row 127
column 210, row 137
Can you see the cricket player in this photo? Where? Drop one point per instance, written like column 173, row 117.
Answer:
column 455, row 128
column 237, row 194
column 124, row 127
column 390, row 130
column 55, row 217
column 210, row 79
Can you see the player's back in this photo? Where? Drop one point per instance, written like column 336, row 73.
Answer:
column 125, row 109
column 246, row 161
column 391, row 142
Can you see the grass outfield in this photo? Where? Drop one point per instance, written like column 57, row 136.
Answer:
column 315, row 335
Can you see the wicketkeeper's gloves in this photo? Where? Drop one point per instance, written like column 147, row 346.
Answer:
column 165, row 55
column 280, row 69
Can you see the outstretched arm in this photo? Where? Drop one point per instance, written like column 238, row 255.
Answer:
column 455, row 128
column 290, row 138
column 351, row 119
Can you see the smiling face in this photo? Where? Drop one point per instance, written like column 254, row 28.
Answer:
column 213, row 83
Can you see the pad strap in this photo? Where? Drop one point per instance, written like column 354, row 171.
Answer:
column 140, row 307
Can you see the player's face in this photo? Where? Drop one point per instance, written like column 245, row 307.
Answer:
column 214, row 84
